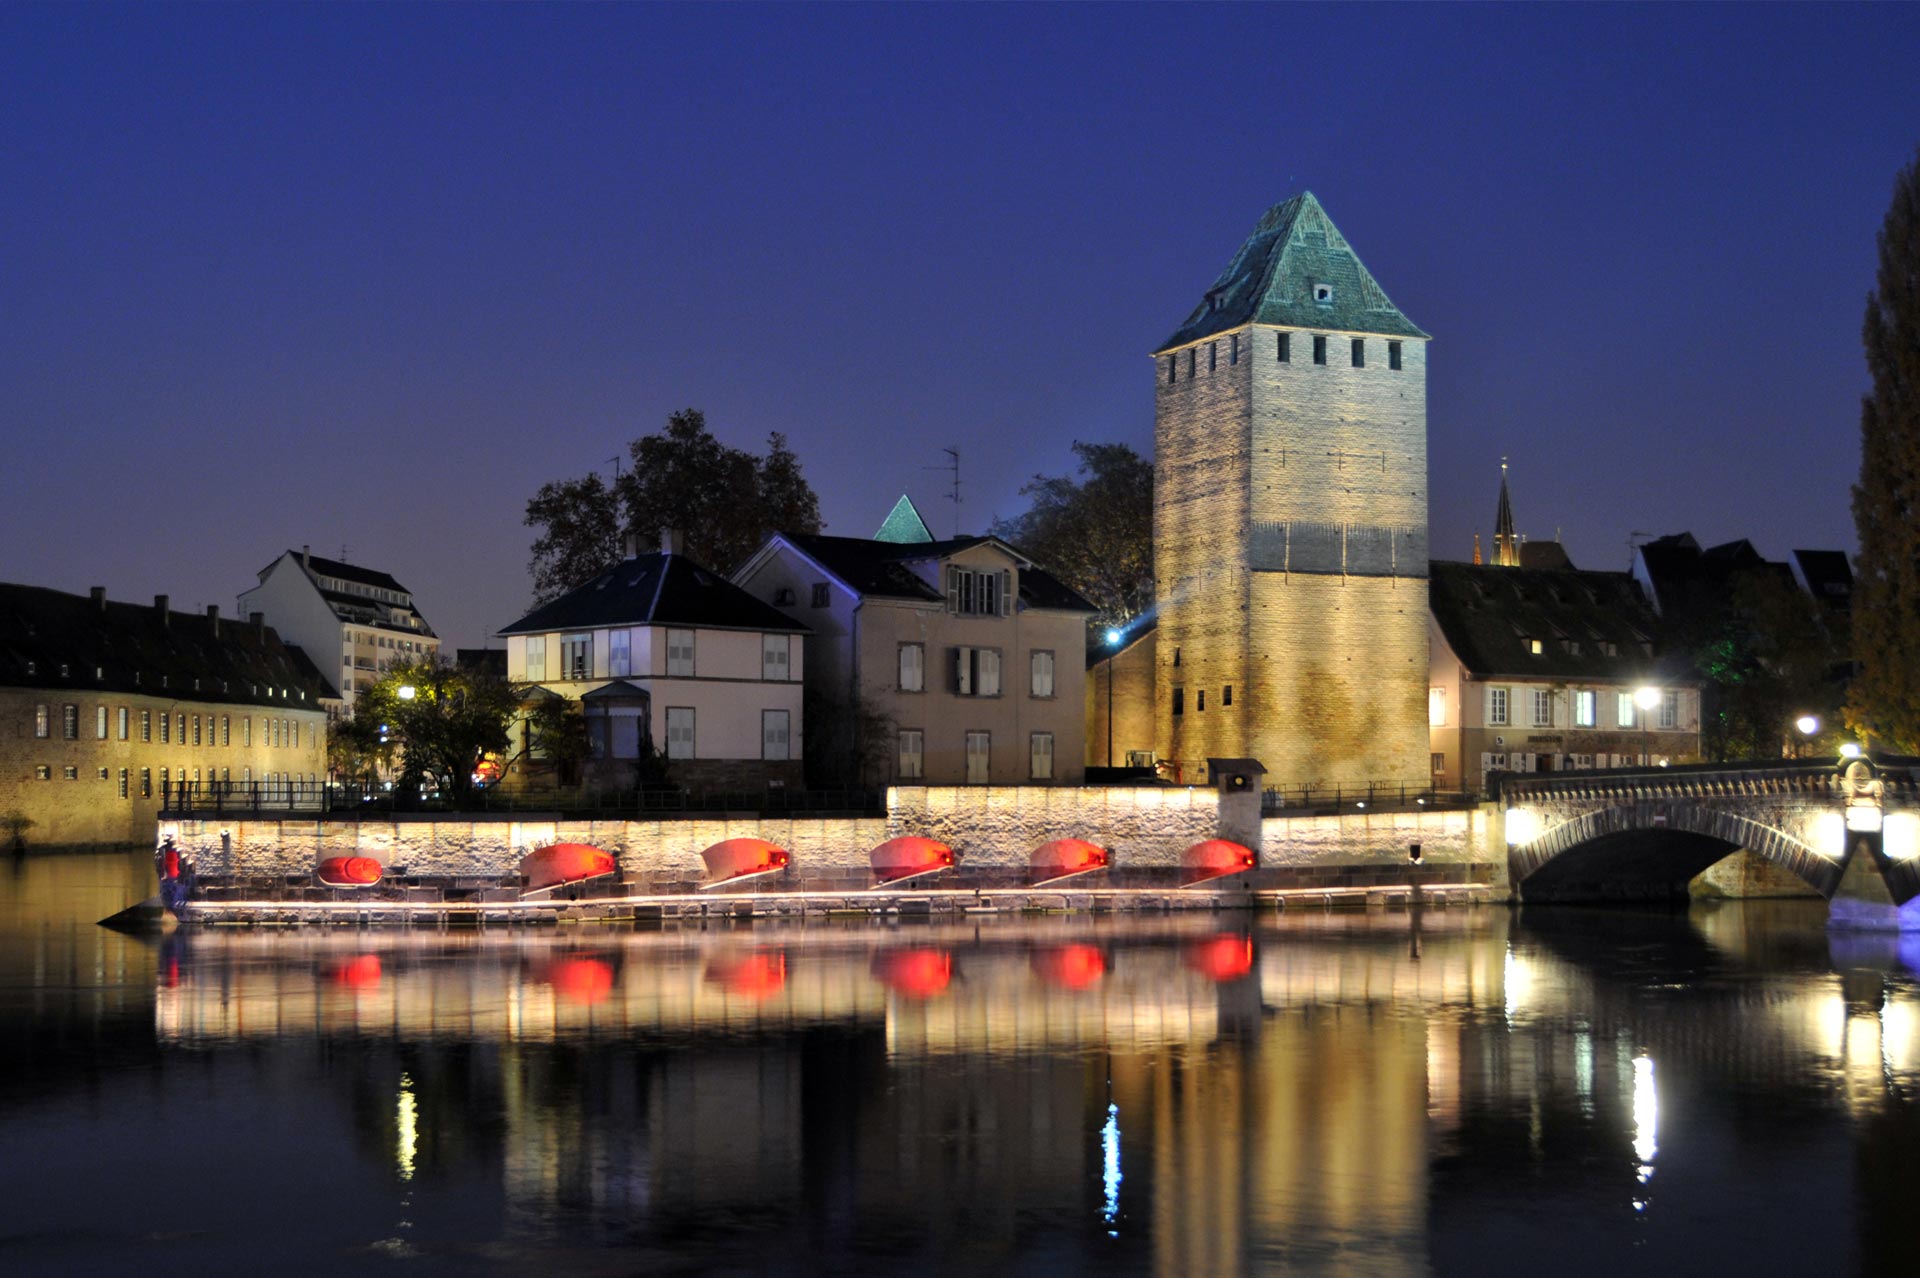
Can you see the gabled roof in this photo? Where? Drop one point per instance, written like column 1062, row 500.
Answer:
column 1491, row 615
column 1272, row 280
column 344, row 571
column 903, row 523
column 134, row 648
column 1690, row 581
column 879, row 569
column 1828, row 576
column 656, row 590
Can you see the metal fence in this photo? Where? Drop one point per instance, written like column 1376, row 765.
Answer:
column 346, row 802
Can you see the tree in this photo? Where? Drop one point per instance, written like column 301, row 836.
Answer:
column 579, row 534
column 723, row 500
column 441, row 719
column 1095, row 534
column 1885, row 696
column 355, row 749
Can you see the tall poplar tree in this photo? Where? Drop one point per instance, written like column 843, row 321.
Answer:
column 1885, row 698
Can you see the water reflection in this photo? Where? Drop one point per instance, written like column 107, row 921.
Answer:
column 1379, row 1094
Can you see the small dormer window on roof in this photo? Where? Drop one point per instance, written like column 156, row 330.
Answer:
column 1323, row 293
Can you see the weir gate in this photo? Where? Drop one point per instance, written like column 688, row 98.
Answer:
column 1850, row 831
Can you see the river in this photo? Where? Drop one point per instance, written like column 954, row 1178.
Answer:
column 1459, row 1091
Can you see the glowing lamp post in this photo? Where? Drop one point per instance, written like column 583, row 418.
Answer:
column 1646, row 699
column 1807, row 725
column 406, row 692
column 1113, row 650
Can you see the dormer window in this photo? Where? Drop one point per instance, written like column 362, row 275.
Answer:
column 1323, row 294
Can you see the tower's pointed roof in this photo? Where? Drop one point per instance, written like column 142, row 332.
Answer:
column 903, row 524
column 1296, row 270
column 1506, row 551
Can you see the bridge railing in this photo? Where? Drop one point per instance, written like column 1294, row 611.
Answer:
column 1769, row 776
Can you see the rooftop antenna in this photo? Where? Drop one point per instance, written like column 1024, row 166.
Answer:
column 615, row 459
column 953, row 465
column 343, row 554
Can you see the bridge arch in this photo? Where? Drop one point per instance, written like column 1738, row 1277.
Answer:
column 1645, row 849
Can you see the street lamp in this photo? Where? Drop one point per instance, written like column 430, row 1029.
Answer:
column 406, row 692
column 1646, row 699
column 1808, row 725
column 1113, row 645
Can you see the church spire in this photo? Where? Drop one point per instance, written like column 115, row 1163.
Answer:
column 1506, row 546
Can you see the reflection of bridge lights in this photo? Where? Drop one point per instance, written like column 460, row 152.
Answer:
column 1110, row 1169
column 1646, row 1121
column 407, row 1122
column 1516, row 981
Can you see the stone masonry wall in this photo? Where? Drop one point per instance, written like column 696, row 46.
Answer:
column 999, row 826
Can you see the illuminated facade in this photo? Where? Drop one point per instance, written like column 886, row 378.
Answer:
column 354, row 621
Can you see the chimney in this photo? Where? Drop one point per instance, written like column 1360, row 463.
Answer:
column 99, row 594
column 670, row 541
column 160, row 606
column 306, row 556
column 213, row 619
column 258, row 620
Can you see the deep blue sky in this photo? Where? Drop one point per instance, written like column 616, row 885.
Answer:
column 369, row 275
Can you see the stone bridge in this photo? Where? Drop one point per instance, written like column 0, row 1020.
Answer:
column 1643, row 833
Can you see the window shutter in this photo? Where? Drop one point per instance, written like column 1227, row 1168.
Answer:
column 1006, row 593
column 953, row 589
column 963, row 671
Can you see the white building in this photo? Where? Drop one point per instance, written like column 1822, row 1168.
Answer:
column 350, row 620
column 660, row 649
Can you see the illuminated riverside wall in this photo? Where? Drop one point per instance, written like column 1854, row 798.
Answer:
column 993, row 828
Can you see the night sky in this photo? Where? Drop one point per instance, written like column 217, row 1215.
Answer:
column 369, row 275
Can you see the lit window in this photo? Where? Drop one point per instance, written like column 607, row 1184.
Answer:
column 1534, row 647
column 775, row 743
column 42, row 722
column 99, row 723
column 1041, row 763
column 123, row 723
column 1624, row 714
column 1585, row 713
column 1042, row 673
column 680, row 732
column 680, row 654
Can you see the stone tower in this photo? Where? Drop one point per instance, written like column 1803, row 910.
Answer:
column 1290, row 518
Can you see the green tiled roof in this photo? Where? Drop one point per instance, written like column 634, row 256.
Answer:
column 903, row 524
column 1273, row 279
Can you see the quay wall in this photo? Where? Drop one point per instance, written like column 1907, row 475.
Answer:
column 992, row 828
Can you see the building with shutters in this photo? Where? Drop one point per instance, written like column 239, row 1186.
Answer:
column 107, row 707
column 948, row 662
column 663, row 652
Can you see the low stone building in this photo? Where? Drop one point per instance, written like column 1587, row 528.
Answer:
column 107, row 707
column 946, row 662
column 665, row 654
column 1536, row 670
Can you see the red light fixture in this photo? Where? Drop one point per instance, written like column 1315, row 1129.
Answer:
column 1214, row 859
column 348, row 871
column 909, row 857
column 1064, row 858
column 561, row 863
column 731, row 860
